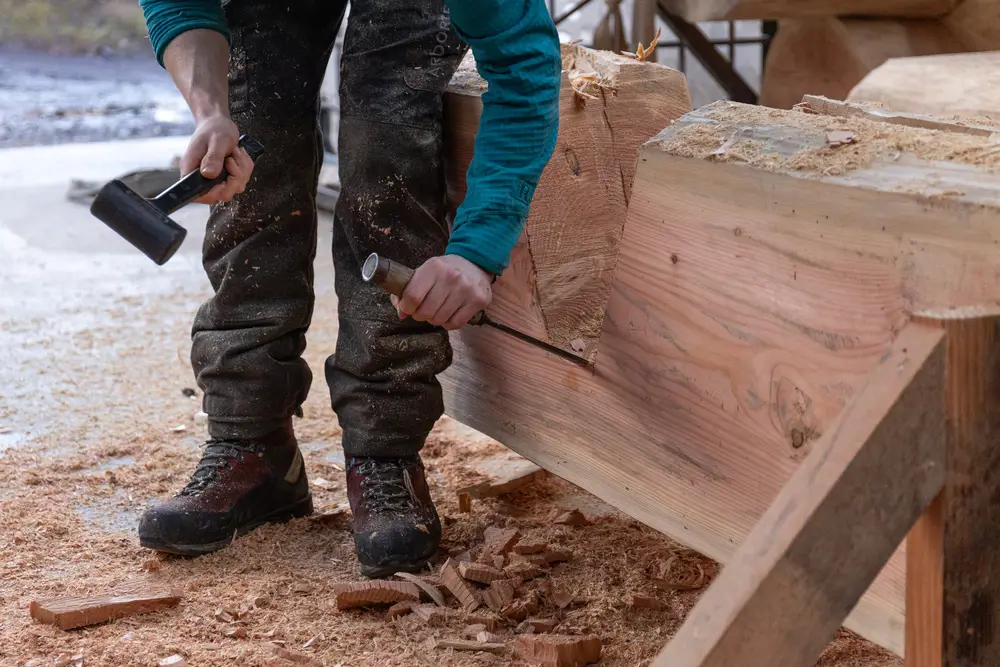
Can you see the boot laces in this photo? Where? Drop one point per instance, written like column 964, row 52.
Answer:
column 387, row 484
column 218, row 456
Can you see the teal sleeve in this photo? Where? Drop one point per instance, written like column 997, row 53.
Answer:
column 166, row 19
column 516, row 47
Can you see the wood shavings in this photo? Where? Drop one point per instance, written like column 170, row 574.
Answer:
column 572, row 518
column 175, row 660
column 459, row 645
column 432, row 592
column 642, row 53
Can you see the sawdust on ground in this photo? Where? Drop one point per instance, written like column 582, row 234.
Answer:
column 98, row 420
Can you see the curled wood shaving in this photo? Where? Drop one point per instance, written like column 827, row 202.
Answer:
column 585, row 84
column 641, row 53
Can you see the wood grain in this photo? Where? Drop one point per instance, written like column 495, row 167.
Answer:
column 749, row 304
column 731, row 10
column 964, row 85
column 558, row 284
column 828, row 107
column 835, row 523
column 76, row 612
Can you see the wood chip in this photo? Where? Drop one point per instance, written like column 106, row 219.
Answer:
column 562, row 598
column 459, row 645
column 464, row 502
column 482, row 574
column 151, row 565
column 473, row 629
column 539, row 625
column 572, row 518
column 399, row 609
column 499, row 541
column 537, row 560
column 294, row 656
column 557, row 650
column 235, row 633
column 557, row 555
column 644, row 602
column 507, row 475
column 499, row 595
column 464, row 557
column 432, row 592
column 226, row 615
column 430, row 614
column 836, row 138
column 367, row 593
column 489, row 621
column 523, row 570
column 175, row 660
column 76, row 612
column 454, row 582
column 498, row 562
column 525, row 548
column 486, row 637
column 520, row 610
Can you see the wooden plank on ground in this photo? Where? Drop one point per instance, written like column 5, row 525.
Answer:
column 76, row 612
column 834, row 524
column 953, row 576
column 556, row 290
column 964, row 85
column 761, row 277
column 733, row 10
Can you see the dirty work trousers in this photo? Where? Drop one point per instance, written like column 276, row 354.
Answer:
column 248, row 339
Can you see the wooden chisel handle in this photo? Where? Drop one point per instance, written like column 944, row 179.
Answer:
column 393, row 277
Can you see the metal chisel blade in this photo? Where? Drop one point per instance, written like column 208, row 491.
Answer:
column 534, row 341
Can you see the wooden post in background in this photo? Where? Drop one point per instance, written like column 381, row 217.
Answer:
column 644, row 24
column 953, row 563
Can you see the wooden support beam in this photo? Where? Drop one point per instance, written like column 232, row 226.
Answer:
column 762, row 275
column 953, row 573
column 833, row 526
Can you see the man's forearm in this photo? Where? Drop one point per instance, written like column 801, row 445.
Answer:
column 198, row 62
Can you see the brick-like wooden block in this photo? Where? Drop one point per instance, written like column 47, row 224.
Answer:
column 368, row 593
column 77, row 612
column 557, row 650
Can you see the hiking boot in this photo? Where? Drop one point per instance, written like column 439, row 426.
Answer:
column 237, row 486
column 396, row 528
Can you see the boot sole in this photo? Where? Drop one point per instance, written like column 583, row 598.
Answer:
column 296, row 510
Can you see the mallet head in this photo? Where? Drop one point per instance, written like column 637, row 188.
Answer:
column 138, row 220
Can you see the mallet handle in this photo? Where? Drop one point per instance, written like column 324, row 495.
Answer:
column 194, row 185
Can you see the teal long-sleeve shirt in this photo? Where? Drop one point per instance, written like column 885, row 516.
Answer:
column 517, row 52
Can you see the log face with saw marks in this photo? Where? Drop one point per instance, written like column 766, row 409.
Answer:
column 557, row 287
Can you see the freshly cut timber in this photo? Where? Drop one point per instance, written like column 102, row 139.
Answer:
column 769, row 261
column 77, row 612
column 559, row 279
column 731, row 10
column 959, row 85
column 829, row 56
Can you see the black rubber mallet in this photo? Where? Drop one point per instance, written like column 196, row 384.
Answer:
column 146, row 223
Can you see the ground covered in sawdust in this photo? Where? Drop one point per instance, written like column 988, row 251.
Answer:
column 95, row 424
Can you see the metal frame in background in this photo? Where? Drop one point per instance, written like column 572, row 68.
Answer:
column 691, row 38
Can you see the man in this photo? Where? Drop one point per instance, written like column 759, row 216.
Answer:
column 256, row 66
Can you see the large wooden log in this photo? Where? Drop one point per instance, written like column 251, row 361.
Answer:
column 964, row 85
column 829, row 56
column 761, row 276
column 559, row 280
column 732, row 10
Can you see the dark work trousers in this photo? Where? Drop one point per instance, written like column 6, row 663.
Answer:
column 248, row 339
